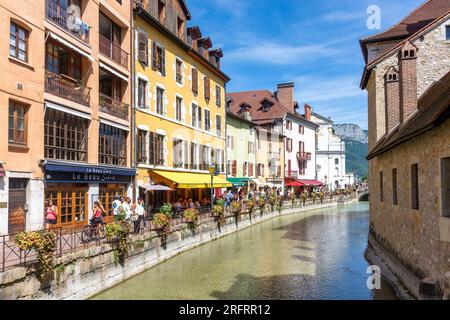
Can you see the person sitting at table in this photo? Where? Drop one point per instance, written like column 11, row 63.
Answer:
column 191, row 204
column 178, row 206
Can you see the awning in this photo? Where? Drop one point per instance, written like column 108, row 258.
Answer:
column 74, row 112
column 184, row 180
column 257, row 182
column 71, row 46
column 311, row 183
column 156, row 187
column 294, row 184
column 114, row 124
column 239, row 182
column 114, row 72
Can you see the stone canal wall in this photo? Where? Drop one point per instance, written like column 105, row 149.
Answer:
column 85, row 273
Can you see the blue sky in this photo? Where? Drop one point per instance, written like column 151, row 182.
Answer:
column 314, row 43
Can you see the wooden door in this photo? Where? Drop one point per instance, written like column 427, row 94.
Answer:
column 17, row 201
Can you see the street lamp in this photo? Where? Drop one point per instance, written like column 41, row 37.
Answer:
column 212, row 171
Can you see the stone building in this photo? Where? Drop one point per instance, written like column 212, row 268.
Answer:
column 408, row 83
column 65, row 96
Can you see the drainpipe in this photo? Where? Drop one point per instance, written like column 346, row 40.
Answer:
column 133, row 119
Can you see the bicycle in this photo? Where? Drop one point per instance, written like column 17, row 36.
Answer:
column 94, row 231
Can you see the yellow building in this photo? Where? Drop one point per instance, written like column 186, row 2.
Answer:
column 180, row 105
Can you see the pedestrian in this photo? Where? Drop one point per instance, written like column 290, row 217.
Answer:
column 98, row 212
column 115, row 207
column 52, row 214
column 139, row 211
column 126, row 208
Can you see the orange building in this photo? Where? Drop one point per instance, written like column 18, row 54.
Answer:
column 65, row 96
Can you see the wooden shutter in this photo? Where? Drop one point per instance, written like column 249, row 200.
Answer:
column 186, row 155
column 445, row 185
column 207, row 87
column 199, row 117
column 195, row 81
column 218, row 95
column 154, row 61
column 163, row 62
column 143, row 48
column 234, row 168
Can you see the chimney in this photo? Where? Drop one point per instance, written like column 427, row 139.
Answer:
column 408, row 81
column 392, row 98
column 285, row 94
column 308, row 112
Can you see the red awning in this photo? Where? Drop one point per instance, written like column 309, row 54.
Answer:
column 2, row 171
column 294, row 184
column 311, row 183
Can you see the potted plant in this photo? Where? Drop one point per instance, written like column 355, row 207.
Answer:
column 272, row 201
column 219, row 214
column 119, row 231
column 304, row 196
column 191, row 217
column 236, row 209
column 314, row 197
column 250, row 206
column 44, row 243
column 262, row 205
column 292, row 198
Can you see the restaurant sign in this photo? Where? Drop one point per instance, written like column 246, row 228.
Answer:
column 57, row 172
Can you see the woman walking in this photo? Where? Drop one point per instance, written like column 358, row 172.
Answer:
column 52, row 214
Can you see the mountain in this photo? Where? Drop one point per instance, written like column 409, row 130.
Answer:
column 356, row 146
column 352, row 132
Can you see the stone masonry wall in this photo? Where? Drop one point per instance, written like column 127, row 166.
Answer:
column 88, row 272
column 419, row 239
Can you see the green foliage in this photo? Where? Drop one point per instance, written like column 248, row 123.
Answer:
column 236, row 207
column 190, row 216
column 161, row 221
column 220, row 202
column 261, row 203
column 166, row 209
column 250, row 205
column 119, row 231
column 355, row 157
column 219, row 214
column 44, row 243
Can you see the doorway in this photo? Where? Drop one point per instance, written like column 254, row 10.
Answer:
column 17, row 205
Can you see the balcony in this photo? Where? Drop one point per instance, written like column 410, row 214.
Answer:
column 291, row 174
column 304, row 156
column 113, row 51
column 66, row 21
column 113, row 107
column 67, row 88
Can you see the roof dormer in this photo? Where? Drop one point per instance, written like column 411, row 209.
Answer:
column 214, row 57
column 266, row 104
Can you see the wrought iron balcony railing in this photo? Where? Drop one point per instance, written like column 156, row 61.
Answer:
column 114, row 107
column 67, row 88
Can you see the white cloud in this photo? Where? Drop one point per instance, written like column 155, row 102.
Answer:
column 344, row 16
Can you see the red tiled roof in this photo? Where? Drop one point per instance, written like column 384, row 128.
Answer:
column 434, row 109
column 254, row 99
column 414, row 23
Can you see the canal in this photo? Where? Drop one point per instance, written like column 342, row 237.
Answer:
column 319, row 257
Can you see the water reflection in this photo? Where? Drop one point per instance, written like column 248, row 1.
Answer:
column 321, row 257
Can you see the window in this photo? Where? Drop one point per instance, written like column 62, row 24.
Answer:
column 194, row 156
column 207, row 120
column 178, row 111
column 194, row 115
column 250, row 169
column 447, row 33
column 289, row 147
column 230, row 142
column 415, row 186
column 218, row 125
column 65, row 136
column 301, row 129
column 158, row 59
column 229, row 167
column 177, row 153
column 142, row 48
column 179, row 71
column 59, row 60
column 394, row 187
column 218, row 95
column 161, row 11
column 160, row 101
column 195, row 81
column 142, row 94
column 445, row 187
column 18, row 45
column 72, row 203
column 180, row 27
column 251, row 147
column 17, row 123
column 156, row 149
column 142, row 146
column 112, row 146
column 207, row 88
column 336, row 161
column 244, row 169
column 381, row 187
column 289, row 125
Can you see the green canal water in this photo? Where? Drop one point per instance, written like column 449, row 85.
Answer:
column 319, row 257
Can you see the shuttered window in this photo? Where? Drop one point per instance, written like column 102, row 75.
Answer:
column 158, row 58
column 234, row 169
column 415, row 186
column 207, row 88
column 156, row 149
column 381, row 187
column 142, row 48
column 445, row 187
column 394, row 187
column 195, row 81
column 218, row 95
